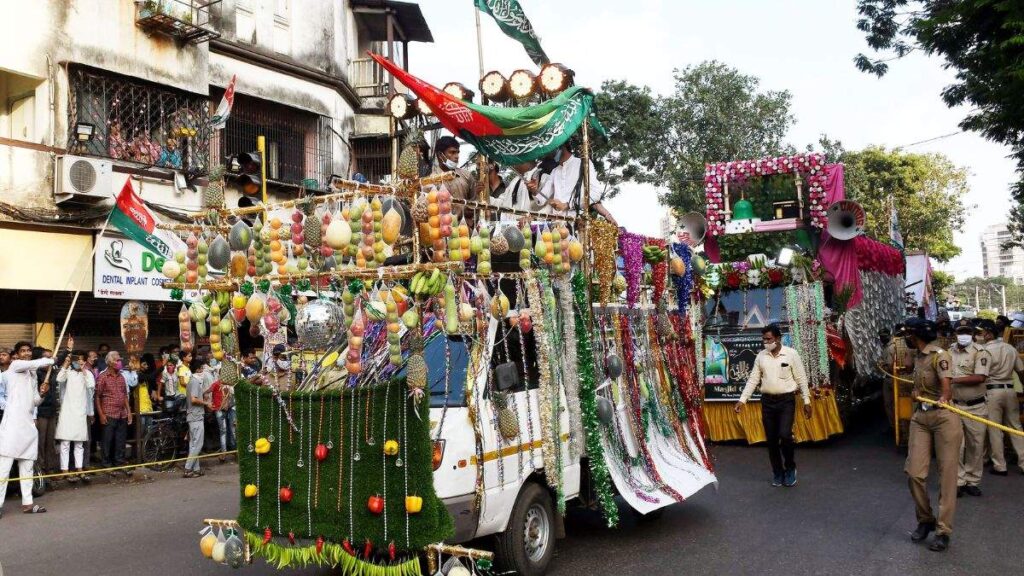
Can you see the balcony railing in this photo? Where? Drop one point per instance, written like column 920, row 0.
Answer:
column 187, row 21
column 368, row 78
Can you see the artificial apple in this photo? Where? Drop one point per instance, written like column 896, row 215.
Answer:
column 320, row 452
column 285, row 494
column 375, row 504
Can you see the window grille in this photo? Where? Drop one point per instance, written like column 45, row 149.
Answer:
column 373, row 157
column 139, row 121
column 298, row 142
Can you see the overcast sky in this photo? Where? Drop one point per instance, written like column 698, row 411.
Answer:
column 804, row 46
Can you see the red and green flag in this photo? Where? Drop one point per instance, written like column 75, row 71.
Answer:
column 131, row 216
column 506, row 135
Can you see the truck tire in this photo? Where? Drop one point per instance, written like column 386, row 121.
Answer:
column 528, row 544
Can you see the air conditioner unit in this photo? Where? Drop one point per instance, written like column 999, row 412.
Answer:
column 79, row 180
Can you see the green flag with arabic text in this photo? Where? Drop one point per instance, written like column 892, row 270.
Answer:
column 513, row 22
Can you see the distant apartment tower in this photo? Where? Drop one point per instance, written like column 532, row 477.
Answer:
column 998, row 261
column 667, row 225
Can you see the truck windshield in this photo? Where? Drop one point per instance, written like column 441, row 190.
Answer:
column 447, row 388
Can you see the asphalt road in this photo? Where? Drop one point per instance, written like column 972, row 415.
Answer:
column 851, row 514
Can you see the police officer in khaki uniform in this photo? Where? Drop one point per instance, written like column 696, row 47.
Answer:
column 1000, row 396
column 894, row 358
column 970, row 369
column 932, row 427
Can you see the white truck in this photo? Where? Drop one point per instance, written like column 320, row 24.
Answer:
column 514, row 502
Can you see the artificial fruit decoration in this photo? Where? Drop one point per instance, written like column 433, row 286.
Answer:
column 251, row 490
column 291, row 538
column 262, row 446
column 207, row 542
column 267, row 535
column 320, row 453
column 319, row 545
column 391, row 448
column 375, row 504
column 285, row 494
column 413, row 504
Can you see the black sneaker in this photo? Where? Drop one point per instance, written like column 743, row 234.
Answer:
column 790, row 479
column 972, row 490
column 922, row 532
column 1000, row 472
column 940, row 543
column 777, row 480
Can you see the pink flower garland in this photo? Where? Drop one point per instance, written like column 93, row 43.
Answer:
column 875, row 256
column 716, row 175
column 631, row 247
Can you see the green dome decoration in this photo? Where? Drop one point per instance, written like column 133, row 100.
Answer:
column 743, row 210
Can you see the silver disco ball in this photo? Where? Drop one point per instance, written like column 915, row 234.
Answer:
column 317, row 323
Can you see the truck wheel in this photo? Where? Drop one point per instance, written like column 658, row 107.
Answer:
column 528, row 544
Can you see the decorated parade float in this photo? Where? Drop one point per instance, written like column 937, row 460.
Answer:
column 431, row 400
column 784, row 246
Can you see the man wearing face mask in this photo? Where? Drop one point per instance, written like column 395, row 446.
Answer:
column 114, row 410
column 464, row 186
column 1000, row 397
column 970, row 369
column 779, row 371
column 932, row 427
column 279, row 373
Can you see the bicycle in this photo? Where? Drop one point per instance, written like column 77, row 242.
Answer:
column 167, row 437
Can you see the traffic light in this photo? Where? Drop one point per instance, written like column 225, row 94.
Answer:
column 247, row 166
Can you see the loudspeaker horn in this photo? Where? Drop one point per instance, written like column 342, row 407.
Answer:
column 692, row 228
column 845, row 220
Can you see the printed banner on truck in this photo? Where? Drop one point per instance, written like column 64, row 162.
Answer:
column 728, row 360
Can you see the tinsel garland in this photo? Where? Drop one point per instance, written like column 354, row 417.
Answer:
column 819, row 316
column 569, row 365
column 684, row 283
column 633, row 381
column 553, row 342
column 550, row 444
column 329, row 554
column 659, row 271
column 631, row 246
column 604, row 239
column 599, row 476
column 805, row 307
column 686, row 362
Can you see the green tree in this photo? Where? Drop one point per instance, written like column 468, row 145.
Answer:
column 927, row 189
column 715, row 114
column 983, row 42
column 941, row 283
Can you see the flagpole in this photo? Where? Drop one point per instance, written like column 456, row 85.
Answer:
column 78, row 291
column 481, row 167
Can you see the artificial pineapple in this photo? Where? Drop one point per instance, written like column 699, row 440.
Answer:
column 213, row 194
column 228, row 372
column 420, row 210
column 409, row 160
column 508, row 424
column 312, row 227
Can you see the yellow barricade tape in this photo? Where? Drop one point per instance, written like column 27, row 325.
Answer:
column 960, row 412
column 116, row 468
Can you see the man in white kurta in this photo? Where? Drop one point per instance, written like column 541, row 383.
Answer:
column 19, row 439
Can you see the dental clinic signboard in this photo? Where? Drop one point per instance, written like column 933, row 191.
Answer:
column 125, row 270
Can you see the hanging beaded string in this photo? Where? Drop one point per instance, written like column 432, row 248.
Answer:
column 256, row 422
column 511, row 397
column 353, row 426
column 309, row 469
column 367, row 428
column 521, row 293
column 319, row 440
column 280, row 423
column 384, row 458
column 405, row 456
column 341, row 445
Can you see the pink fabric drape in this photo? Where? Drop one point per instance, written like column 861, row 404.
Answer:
column 844, row 260
column 839, row 258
